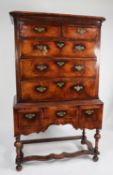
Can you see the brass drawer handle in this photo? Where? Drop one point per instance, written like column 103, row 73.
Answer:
column 79, row 47
column 81, row 31
column 41, row 89
column 89, row 112
column 60, row 44
column 61, row 113
column 60, row 63
column 78, row 67
column 78, row 88
column 39, row 29
column 30, row 116
column 60, row 84
column 42, row 67
column 42, row 48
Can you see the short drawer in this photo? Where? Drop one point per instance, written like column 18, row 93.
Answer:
column 58, row 89
column 38, row 48
column 37, row 30
column 85, row 33
column 30, row 120
column 90, row 116
column 36, row 68
column 61, row 114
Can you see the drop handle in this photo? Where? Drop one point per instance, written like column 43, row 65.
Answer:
column 60, row 63
column 60, row 44
column 78, row 88
column 39, row 29
column 89, row 112
column 30, row 116
column 42, row 67
column 81, row 31
column 79, row 47
column 78, row 67
column 41, row 89
column 42, row 48
column 61, row 113
column 60, row 84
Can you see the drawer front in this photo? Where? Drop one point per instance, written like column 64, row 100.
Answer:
column 90, row 116
column 58, row 89
column 30, row 120
column 57, row 48
column 56, row 68
column 61, row 114
column 80, row 32
column 36, row 30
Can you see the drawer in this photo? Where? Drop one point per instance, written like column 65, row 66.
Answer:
column 58, row 89
column 36, row 68
column 57, row 48
column 36, row 30
column 61, row 114
column 90, row 116
column 30, row 120
column 86, row 33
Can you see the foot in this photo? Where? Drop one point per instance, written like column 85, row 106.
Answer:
column 19, row 167
column 95, row 158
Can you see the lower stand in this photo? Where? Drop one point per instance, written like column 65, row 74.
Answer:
column 90, row 150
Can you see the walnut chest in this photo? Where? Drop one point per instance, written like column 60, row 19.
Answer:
column 57, row 75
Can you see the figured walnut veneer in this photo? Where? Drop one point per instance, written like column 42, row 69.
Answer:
column 57, row 78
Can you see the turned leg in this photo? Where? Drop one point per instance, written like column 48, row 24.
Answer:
column 83, row 141
column 19, row 153
column 96, row 152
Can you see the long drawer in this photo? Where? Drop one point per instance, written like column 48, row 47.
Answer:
column 37, row 68
column 58, row 89
column 38, row 48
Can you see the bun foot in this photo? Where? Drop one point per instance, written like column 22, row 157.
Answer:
column 95, row 158
column 19, row 167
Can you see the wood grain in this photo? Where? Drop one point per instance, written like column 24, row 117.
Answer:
column 57, row 78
